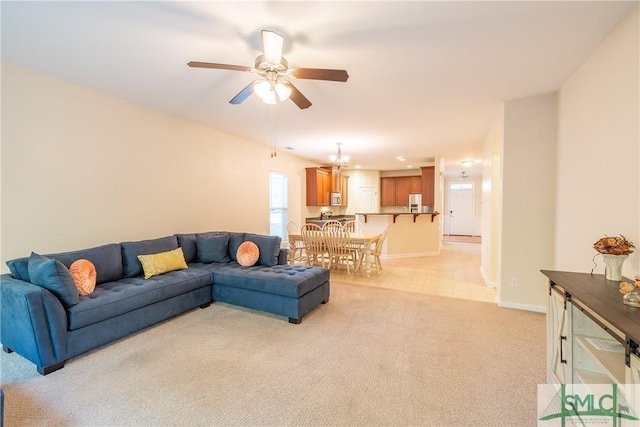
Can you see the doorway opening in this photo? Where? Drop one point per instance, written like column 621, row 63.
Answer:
column 460, row 217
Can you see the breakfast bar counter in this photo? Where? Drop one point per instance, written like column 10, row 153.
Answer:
column 408, row 234
column 395, row 215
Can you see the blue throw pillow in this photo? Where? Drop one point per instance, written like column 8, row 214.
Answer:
column 235, row 240
column 19, row 268
column 52, row 275
column 189, row 245
column 131, row 250
column 269, row 247
column 213, row 247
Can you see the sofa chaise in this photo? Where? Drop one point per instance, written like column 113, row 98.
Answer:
column 45, row 320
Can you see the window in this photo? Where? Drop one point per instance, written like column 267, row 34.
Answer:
column 461, row 186
column 278, row 204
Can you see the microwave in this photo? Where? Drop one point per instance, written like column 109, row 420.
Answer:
column 335, row 200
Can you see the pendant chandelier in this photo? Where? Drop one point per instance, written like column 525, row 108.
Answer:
column 339, row 160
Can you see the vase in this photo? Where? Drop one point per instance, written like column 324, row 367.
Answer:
column 613, row 266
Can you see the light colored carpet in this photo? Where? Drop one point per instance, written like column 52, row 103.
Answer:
column 370, row 357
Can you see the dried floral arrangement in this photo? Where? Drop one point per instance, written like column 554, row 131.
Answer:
column 627, row 288
column 614, row 245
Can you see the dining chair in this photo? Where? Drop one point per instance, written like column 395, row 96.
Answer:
column 310, row 226
column 296, row 250
column 376, row 252
column 341, row 252
column 315, row 247
column 354, row 226
column 332, row 224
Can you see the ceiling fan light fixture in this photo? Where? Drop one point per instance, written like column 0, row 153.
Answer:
column 271, row 65
column 272, row 44
column 283, row 90
column 270, row 98
column 262, row 88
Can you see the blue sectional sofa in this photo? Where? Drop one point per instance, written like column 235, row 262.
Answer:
column 47, row 323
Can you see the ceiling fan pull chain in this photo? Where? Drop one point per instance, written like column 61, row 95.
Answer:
column 273, row 130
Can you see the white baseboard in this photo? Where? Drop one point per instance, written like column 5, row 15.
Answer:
column 518, row 306
column 410, row 255
column 486, row 280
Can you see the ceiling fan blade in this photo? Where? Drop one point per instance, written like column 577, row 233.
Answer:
column 298, row 98
column 320, row 74
column 243, row 94
column 272, row 46
column 218, row 66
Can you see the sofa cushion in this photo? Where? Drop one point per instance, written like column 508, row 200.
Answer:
column 54, row 276
column 106, row 258
column 84, row 275
column 189, row 246
column 163, row 262
column 115, row 298
column 213, row 247
column 269, row 247
column 248, row 254
column 235, row 240
column 19, row 268
column 131, row 250
column 288, row 280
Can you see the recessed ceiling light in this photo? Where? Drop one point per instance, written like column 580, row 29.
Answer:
column 467, row 163
column 409, row 167
column 400, row 158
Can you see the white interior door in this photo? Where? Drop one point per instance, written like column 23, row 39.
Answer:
column 461, row 211
column 366, row 201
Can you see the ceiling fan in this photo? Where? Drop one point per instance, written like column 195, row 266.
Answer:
column 273, row 68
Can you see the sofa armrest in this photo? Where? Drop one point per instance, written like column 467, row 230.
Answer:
column 283, row 256
column 33, row 322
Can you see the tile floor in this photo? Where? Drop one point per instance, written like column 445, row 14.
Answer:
column 454, row 273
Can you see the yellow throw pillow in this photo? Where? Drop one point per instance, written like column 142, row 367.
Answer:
column 163, row 262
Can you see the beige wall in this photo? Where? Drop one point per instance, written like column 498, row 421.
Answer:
column 546, row 213
column 81, row 168
column 528, row 181
column 598, row 188
column 491, row 200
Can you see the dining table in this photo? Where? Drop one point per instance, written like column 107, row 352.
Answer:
column 365, row 240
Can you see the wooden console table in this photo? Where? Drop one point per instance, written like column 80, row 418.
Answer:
column 585, row 315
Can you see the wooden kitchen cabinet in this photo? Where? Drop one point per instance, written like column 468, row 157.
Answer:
column 395, row 190
column 415, row 184
column 388, row 191
column 321, row 182
column 336, row 176
column 428, row 185
column 403, row 187
column 318, row 187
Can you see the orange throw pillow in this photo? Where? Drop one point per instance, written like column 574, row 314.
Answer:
column 248, row 254
column 84, row 274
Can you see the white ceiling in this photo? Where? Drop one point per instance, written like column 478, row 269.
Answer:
column 426, row 78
